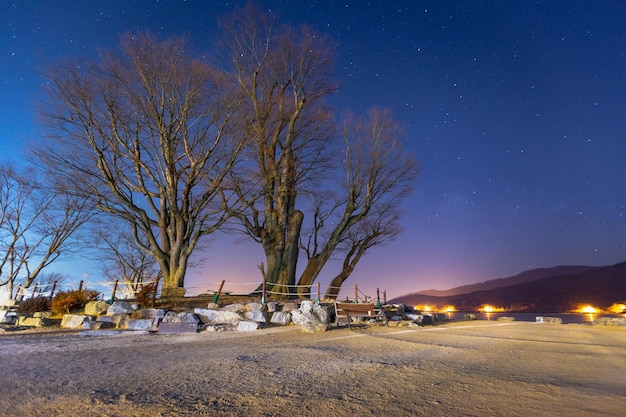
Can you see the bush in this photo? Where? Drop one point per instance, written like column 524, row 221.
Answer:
column 34, row 304
column 146, row 294
column 69, row 301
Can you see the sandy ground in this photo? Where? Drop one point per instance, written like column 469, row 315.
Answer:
column 480, row 368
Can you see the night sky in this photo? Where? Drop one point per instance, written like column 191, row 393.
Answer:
column 515, row 109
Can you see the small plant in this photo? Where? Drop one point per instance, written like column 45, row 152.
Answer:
column 146, row 294
column 68, row 301
column 33, row 305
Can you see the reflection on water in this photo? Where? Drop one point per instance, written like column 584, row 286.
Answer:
column 565, row 317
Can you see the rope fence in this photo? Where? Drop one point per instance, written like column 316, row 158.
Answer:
column 128, row 290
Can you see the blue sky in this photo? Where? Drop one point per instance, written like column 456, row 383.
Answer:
column 515, row 110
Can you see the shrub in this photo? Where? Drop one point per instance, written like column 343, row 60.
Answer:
column 33, row 305
column 68, row 301
column 146, row 294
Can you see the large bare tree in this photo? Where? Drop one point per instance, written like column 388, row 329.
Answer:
column 283, row 76
column 143, row 133
column 364, row 209
column 38, row 224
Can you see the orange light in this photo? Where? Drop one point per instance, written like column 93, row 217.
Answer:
column 588, row 309
column 487, row 309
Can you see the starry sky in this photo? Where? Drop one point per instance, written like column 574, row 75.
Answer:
column 515, row 109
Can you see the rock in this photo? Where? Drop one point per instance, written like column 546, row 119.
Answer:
column 183, row 317
column 96, row 308
column 237, row 308
column 213, row 306
column 325, row 313
column 148, row 313
column 143, row 324
column 255, row 307
column 246, row 326
column 177, row 327
column 116, row 321
column 314, row 327
column 289, row 307
column 32, row 321
column 91, row 325
column 258, row 316
column 121, row 307
column 611, row 321
column 209, row 316
column 273, row 306
column 298, row 317
column 307, row 307
column 43, row 314
column 74, row 321
column 505, row 318
column 469, row 316
column 281, row 317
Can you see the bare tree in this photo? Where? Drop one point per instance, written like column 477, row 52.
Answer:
column 283, row 77
column 378, row 174
column 122, row 260
column 37, row 225
column 143, row 133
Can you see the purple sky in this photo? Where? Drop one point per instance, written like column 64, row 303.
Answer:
column 515, row 109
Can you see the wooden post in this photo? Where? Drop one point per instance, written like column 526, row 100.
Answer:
column 356, row 293
column 219, row 290
column 34, row 290
column 54, row 287
column 17, row 292
column 384, row 296
column 114, row 290
column 319, row 291
column 80, row 285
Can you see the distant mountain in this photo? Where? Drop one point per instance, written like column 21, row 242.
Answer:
column 545, row 290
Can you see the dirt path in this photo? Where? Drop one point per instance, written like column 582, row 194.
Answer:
column 468, row 368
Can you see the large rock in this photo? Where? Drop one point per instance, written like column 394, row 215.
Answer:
column 273, row 306
column 143, row 324
column 281, row 317
column 325, row 313
column 255, row 307
column 183, row 317
column 148, row 313
column 74, row 321
column 258, row 316
column 237, row 308
column 556, row 320
column 209, row 316
column 314, row 327
column 246, row 326
column 122, row 307
column 289, row 306
column 115, row 321
column 96, row 308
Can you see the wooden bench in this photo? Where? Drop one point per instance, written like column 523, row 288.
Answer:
column 364, row 310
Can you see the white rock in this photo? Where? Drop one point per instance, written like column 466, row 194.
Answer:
column 209, row 316
column 149, row 313
column 306, row 306
column 246, row 326
column 257, row 316
column 73, row 321
column 121, row 307
column 96, row 308
column 183, row 317
column 142, row 324
column 281, row 317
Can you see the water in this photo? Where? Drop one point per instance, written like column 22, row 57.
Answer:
column 566, row 318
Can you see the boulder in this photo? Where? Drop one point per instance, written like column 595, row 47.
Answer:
column 213, row 306
column 43, row 314
column 246, row 326
column 314, row 327
column 255, row 307
column 273, row 306
column 148, row 313
column 183, row 317
column 74, row 321
column 289, row 307
column 237, row 308
column 121, row 307
column 258, row 316
column 325, row 313
column 209, row 316
column 281, row 317
column 115, row 321
column 143, row 324
column 556, row 320
column 96, row 308
column 307, row 307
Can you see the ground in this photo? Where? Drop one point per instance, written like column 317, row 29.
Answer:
column 479, row 368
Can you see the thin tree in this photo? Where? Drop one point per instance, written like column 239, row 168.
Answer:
column 143, row 133
column 365, row 210
column 283, row 76
column 38, row 224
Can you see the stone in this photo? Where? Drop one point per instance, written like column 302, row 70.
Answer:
column 31, row 321
column 213, row 306
column 43, row 314
column 91, row 325
column 237, row 308
column 314, row 327
column 281, row 317
column 183, row 317
column 148, row 313
column 209, row 316
column 298, row 317
column 246, row 326
column 96, row 308
column 505, row 318
column 307, row 306
column 167, row 327
column 255, row 307
column 289, row 306
column 556, row 320
column 143, row 324
column 122, row 307
column 258, row 316
column 8, row 317
column 324, row 312
column 116, row 321
column 74, row 321
column 273, row 306
column 611, row 321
